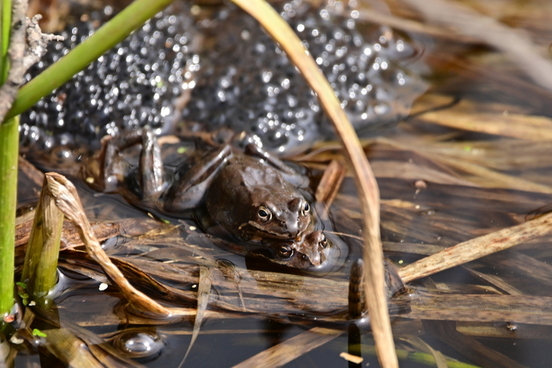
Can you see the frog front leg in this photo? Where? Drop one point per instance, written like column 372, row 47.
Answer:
column 191, row 184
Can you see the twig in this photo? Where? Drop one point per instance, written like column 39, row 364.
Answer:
column 27, row 45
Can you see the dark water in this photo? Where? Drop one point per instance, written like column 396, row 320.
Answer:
column 455, row 207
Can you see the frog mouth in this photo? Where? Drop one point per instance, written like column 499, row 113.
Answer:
column 296, row 236
column 292, row 255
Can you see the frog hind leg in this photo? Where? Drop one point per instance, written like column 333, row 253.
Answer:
column 190, row 188
column 151, row 173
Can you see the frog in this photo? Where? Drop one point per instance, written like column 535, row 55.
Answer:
column 236, row 191
column 316, row 254
column 248, row 194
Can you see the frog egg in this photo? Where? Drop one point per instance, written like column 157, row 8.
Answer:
column 125, row 86
column 367, row 71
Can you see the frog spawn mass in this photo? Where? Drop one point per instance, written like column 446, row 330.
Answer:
column 133, row 85
column 246, row 82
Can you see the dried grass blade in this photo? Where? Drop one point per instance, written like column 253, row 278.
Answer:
column 203, row 293
column 468, row 346
column 69, row 349
column 468, row 22
column 535, row 310
column 364, row 177
column 440, row 360
column 529, row 272
column 291, row 349
column 476, row 248
column 69, row 234
column 517, row 330
column 481, row 175
column 68, row 201
column 412, row 171
column 496, row 281
column 412, row 26
column 231, row 272
column 526, row 127
column 76, row 352
column 485, row 177
column 329, row 184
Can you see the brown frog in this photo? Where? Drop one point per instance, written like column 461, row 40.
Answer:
column 248, row 194
column 244, row 195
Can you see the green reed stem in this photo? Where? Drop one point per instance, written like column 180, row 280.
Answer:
column 41, row 258
column 109, row 35
column 9, row 139
column 9, row 151
column 5, row 27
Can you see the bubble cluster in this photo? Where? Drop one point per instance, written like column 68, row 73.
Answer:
column 248, row 83
column 132, row 85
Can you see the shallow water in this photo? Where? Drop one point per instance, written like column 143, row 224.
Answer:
column 440, row 185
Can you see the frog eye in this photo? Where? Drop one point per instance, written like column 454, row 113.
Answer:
column 264, row 214
column 323, row 243
column 285, row 252
column 306, row 209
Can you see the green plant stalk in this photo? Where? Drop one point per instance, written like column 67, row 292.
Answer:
column 420, row 358
column 109, row 35
column 5, row 31
column 41, row 258
column 9, row 152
